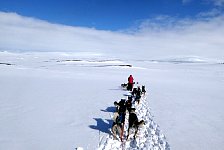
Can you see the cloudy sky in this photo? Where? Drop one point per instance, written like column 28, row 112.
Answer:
column 152, row 27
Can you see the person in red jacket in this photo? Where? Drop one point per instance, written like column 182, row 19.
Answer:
column 130, row 83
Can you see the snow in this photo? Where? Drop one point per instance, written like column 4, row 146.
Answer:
column 148, row 137
column 49, row 103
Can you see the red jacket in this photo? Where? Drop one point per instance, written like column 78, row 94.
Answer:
column 130, row 79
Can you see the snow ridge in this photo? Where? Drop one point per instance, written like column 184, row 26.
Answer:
column 149, row 136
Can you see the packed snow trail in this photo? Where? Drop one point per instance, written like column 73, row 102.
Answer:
column 149, row 136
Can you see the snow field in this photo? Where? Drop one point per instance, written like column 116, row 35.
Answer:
column 42, row 94
column 149, row 136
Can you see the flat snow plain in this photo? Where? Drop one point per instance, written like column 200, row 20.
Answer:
column 60, row 101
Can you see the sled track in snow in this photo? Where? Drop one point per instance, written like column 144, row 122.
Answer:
column 149, row 136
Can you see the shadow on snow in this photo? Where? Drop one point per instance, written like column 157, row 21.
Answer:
column 102, row 125
column 109, row 109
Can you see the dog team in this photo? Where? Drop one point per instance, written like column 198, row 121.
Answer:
column 125, row 106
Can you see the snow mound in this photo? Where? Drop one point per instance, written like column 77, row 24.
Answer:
column 95, row 63
column 149, row 136
column 186, row 59
column 79, row 148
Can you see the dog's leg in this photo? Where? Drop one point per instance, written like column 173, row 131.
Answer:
column 114, row 132
column 115, row 129
column 136, row 131
column 128, row 133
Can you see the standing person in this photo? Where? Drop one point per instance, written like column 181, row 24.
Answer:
column 130, row 83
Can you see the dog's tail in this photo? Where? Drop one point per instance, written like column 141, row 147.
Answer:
column 142, row 122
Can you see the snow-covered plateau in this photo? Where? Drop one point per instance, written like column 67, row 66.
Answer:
column 64, row 101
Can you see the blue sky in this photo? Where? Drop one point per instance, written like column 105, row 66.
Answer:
column 107, row 14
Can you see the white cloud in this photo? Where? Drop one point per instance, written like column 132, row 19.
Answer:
column 213, row 13
column 218, row 2
column 161, row 36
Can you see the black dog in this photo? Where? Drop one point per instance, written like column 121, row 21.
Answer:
column 134, row 123
column 124, row 85
column 143, row 90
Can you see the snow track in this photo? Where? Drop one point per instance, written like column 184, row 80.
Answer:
column 149, row 136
